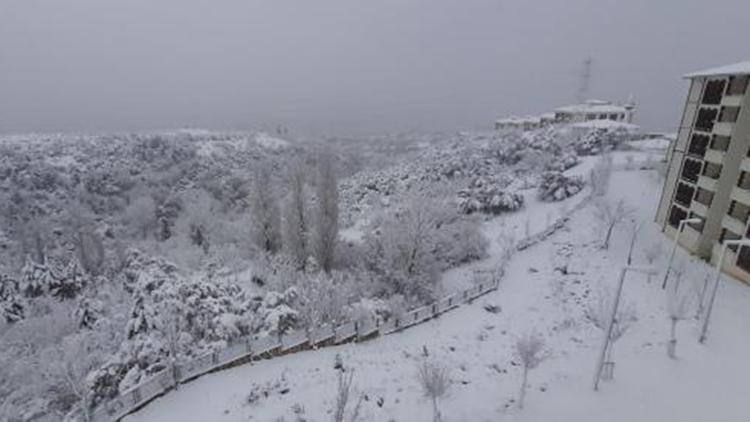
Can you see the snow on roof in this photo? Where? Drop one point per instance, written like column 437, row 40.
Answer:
column 592, row 106
column 518, row 120
column 606, row 124
column 741, row 68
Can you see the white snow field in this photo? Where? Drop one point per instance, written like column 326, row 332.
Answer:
column 706, row 383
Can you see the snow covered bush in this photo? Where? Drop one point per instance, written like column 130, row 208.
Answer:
column 489, row 196
column 434, row 378
column 556, row 186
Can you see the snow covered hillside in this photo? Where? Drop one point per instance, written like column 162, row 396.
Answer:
column 547, row 290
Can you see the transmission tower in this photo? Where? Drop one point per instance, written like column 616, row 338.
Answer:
column 583, row 88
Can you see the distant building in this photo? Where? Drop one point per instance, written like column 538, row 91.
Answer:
column 518, row 123
column 708, row 174
column 595, row 110
column 591, row 110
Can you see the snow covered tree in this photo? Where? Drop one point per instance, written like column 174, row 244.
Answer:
column 530, row 351
column 326, row 229
column 36, row 279
column 652, row 253
column 489, row 196
column 295, row 233
column 609, row 215
column 266, row 217
column 140, row 216
column 70, row 282
column 90, row 251
column 600, row 175
column 680, row 305
column 556, row 186
column 434, row 378
column 12, row 308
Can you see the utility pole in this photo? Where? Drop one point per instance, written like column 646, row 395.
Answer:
column 585, row 80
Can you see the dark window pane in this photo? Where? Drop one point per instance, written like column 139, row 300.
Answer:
column 744, row 182
column 684, row 194
column 729, row 235
column 698, row 145
column 706, row 119
column 676, row 215
column 713, row 92
column 739, row 211
column 690, row 170
column 737, row 85
column 729, row 114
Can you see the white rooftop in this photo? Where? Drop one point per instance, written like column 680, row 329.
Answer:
column 741, row 68
column 592, row 106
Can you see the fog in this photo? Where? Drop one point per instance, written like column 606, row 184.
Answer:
column 345, row 66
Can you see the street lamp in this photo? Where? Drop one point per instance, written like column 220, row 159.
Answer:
column 613, row 315
column 719, row 264
column 674, row 246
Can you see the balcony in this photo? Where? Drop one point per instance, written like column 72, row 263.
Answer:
column 741, row 195
column 723, row 128
column 733, row 224
column 732, row 100
column 699, row 209
column 714, row 156
column 707, row 183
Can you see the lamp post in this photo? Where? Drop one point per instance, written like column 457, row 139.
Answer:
column 719, row 264
column 680, row 226
column 613, row 315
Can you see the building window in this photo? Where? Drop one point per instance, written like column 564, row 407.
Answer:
column 739, row 211
column 697, row 226
column 729, row 235
column 713, row 92
column 704, row 196
column 720, row 143
column 690, row 170
column 613, row 116
column 676, row 215
column 712, row 170
column 729, row 114
column 743, row 258
column 698, row 145
column 684, row 195
column 706, row 119
column 591, row 117
column 744, row 182
column 737, row 85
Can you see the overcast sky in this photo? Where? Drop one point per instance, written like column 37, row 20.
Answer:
column 348, row 66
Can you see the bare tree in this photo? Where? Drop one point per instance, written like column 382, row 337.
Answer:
column 598, row 313
column 327, row 224
column 265, row 212
column 530, row 350
column 295, row 229
column 434, row 378
column 600, row 176
column 680, row 305
column 652, row 254
column 343, row 392
column 633, row 238
column 609, row 215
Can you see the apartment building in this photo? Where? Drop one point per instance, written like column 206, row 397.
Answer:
column 708, row 175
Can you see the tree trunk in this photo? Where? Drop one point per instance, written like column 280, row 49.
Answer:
column 435, row 411
column 522, row 396
column 672, row 345
column 609, row 234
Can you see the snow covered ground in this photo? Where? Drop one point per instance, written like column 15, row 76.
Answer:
column 705, row 383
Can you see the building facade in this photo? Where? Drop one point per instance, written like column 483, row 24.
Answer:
column 708, row 174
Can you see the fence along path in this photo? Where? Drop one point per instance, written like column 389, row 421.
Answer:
column 246, row 350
